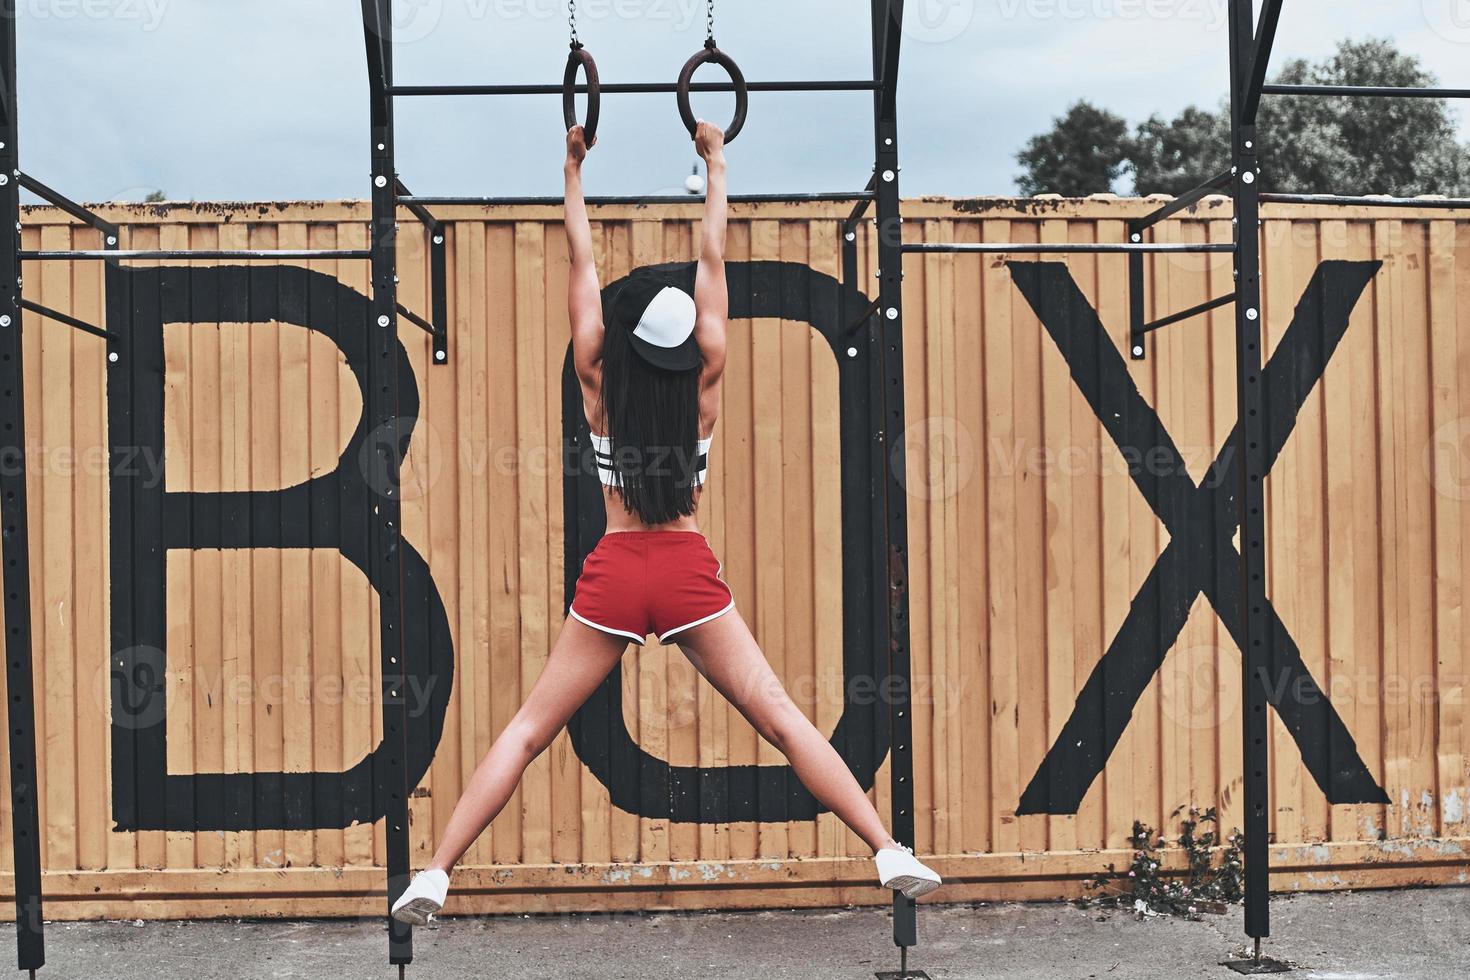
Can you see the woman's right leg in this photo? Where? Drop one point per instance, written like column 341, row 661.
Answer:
column 580, row 661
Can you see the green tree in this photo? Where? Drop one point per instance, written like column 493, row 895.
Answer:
column 1311, row 144
column 154, row 197
column 1171, row 157
column 1084, row 152
column 1361, row 146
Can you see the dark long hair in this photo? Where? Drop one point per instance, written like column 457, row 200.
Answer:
column 652, row 417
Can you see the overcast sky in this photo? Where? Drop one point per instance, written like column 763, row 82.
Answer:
column 265, row 99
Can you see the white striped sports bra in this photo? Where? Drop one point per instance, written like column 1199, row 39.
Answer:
column 602, row 449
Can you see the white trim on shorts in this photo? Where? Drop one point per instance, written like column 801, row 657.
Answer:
column 698, row 622
column 640, row 640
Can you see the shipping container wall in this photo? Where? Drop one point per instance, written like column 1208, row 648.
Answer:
column 1072, row 553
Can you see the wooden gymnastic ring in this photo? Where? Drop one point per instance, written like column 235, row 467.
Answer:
column 581, row 59
column 710, row 53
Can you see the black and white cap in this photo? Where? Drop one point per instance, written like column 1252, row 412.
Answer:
column 660, row 316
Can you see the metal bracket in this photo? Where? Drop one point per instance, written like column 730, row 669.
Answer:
column 1137, row 328
column 902, row 975
column 863, row 319
column 70, row 321
column 1258, row 965
column 1137, row 331
column 903, row 972
column 437, row 236
column 110, row 232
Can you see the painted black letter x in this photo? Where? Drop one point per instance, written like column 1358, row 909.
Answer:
column 1201, row 521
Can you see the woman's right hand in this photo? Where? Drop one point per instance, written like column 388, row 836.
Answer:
column 577, row 146
column 709, row 141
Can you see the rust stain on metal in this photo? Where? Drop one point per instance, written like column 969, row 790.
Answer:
column 897, row 589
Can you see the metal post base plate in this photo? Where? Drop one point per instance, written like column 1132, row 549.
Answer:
column 903, row 975
column 1263, row 965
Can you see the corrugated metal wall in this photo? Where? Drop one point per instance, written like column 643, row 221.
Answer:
column 1029, row 544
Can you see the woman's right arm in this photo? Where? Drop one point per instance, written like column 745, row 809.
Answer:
column 584, row 294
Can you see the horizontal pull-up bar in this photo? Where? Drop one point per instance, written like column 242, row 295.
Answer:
column 638, row 88
column 70, row 321
column 1368, row 91
column 840, row 197
column 167, row 254
column 1044, row 248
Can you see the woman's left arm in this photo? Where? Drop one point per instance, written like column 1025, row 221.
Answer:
column 711, row 295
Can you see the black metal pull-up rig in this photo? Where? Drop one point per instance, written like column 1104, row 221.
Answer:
column 388, row 195
column 887, row 19
column 1251, row 42
column 1250, row 47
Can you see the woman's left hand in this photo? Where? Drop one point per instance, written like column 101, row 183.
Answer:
column 577, row 146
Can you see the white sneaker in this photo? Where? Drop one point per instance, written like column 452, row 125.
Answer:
column 900, row 870
column 423, row 897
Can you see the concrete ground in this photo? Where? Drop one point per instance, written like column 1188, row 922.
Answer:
column 1342, row 936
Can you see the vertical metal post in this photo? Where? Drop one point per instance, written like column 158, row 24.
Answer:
column 385, row 439
column 1251, row 452
column 439, row 286
column 15, row 552
column 887, row 36
column 1135, row 296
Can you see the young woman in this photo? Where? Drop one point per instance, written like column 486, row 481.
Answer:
column 651, row 374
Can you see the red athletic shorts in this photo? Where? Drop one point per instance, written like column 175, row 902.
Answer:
column 640, row 582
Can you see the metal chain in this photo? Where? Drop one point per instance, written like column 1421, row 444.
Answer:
column 572, row 21
column 709, row 20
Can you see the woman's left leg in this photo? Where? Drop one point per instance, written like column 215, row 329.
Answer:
column 725, row 652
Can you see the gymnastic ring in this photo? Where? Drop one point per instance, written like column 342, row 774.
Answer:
column 581, row 58
column 742, row 96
